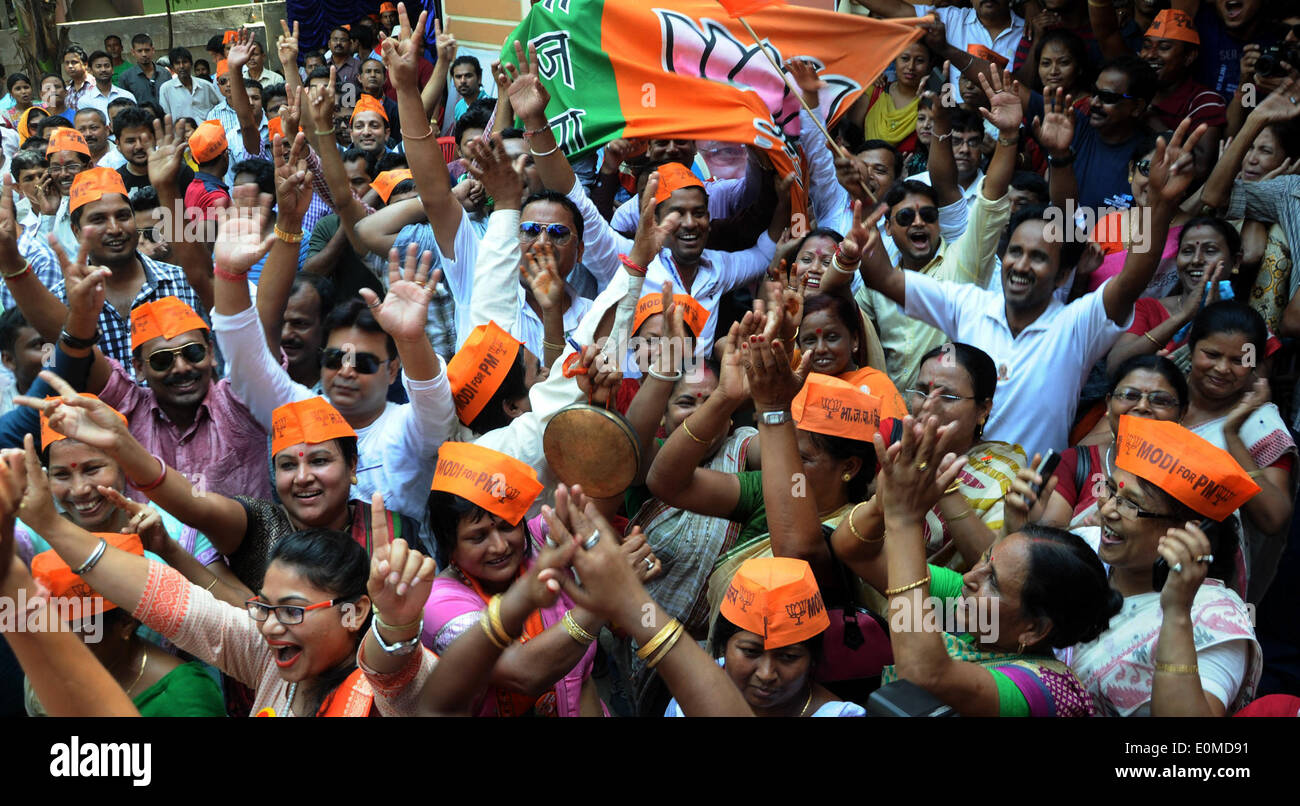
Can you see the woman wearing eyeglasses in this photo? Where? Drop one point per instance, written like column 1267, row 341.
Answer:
column 1183, row 643
column 1209, row 250
column 1148, row 386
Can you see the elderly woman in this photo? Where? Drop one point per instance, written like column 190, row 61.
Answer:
column 1034, row 591
column 1183, row 644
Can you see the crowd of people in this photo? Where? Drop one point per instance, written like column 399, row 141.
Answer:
column 344, row 392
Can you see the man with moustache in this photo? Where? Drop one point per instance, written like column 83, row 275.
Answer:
column 133, row 128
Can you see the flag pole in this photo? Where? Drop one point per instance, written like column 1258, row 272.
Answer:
column 816, row 118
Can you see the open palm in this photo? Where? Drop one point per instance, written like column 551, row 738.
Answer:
column 240, row 242
column 404, row 310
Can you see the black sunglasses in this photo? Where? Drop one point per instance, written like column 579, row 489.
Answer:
column 1109, row 98
column 1143, row 167
column 363, row 363
column 162, row 360
column 905, row 217
column 532, row 230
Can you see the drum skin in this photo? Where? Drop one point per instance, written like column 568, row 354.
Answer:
column 593, row 447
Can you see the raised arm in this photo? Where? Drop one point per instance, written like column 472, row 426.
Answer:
column 318, row 105
column 405, row 308
column 42, row 310
column 528, row 98
column 1172, row 172
column 1105, row 27
column 1054, row 131
column 250, row 130
column 1006, row 114
column 434, row 94
column 293, row 196
column 287, row 48
column 1276, row 108
column 862, row 248
column 191, row 254
column 941, row 163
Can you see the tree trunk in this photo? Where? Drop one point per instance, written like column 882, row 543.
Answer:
column 38, row 37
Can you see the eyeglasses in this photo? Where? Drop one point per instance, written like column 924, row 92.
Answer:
column 1127, row 508
column 905, row 217
column 162, row 360
column 919, row 395
column 1110, row 98
column 147, row 233
column 70, row 168
column 285, row 614
column 1159, row 400
column 1143, row 167
column 530, row 231
column 363, row 363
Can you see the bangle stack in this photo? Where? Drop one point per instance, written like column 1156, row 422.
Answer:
column 657, row 648
column 1177, row 668
column 575, row 631
column 925, row 580
column 491, row 624
column 550, row 345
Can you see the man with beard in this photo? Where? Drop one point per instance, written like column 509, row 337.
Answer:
column 369, row 126
column 133, row 128
column 104, row 224
column 93, row 125
column 467, row 78
column 913, row 226
column 1042, row 348
column 311, row 298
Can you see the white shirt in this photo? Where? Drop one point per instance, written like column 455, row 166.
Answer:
column 964, row 29
column 726, row 197
column 395, row 453
column 1041, row 371
column 192, row 103
column 94, row 99
column 268, row 79
column 112, row 158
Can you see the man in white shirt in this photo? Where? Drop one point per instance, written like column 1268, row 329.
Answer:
column 183, row 96
column 102, row 92
column 257, row 70
column 93, row 126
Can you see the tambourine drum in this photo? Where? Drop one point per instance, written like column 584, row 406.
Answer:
column 594, row 447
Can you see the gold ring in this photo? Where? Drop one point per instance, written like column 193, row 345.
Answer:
column 921, row 466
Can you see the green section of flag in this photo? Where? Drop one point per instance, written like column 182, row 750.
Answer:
column 584, row 110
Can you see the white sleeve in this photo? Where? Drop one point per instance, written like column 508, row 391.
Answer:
column 739, row 268
column 625, row 217
column 1223, row 669
column 937, row 303
column 729, row 196
column 601, row 244
column 255, row 377
column 828, row 196
column 1092, row 329
column 458, row 270
column 412, row 442
column 495, row 297
column 952, row 220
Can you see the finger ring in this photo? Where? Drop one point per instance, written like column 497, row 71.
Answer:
column 650, row 563
column 921, row 466
column 1293, row 100
column 1178, row 568
column 590, row 543
column 420, row 283
column 551, row 543
column 375, row 304
column 1205, row 558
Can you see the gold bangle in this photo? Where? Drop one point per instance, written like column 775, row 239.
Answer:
column 854, row 529
column 691, row 434
column 956, row 518
column 379, row 619
column 667, row 647
column 646, row 651
column 288, row 237
column 550, row 345
column 212, row 584
column 1254, row 474
column 905, row 588
column 486, row 624
column 1151, row 339
column 424, row 136
column 11, row 275
column 494, row 614
column 1177, row 668
column 954, row 487
column 575, row 631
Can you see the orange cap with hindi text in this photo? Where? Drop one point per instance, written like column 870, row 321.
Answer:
column 693, row 313
column 827, row 405
column 93, row 184
column 1174, row 24
column 498, row 483
column 311, row 421
column 477, row 369
column 368, row 103
column 777, row 598
column 1199, row 474
column 386, row 181
column 74, row 597
column 50, row 436
column 674, row 176
column 66, row 138
column 168, row 317
column 208, row 141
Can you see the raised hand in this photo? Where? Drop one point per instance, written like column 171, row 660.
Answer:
column 10, row 260
column 1021, row 506
column 74, row 271
column 863, row 238
column 287, row 45
column 936, row 39
column 651, row 234
column 86, row 297
column 610, row 585
column 320, row 101
column 528, row 97
column 1257, row 396
column 773, row 383
column 444, row 43
column 404, row 310
column 1173, row 166
column 240, row 242
column 293, row 184
column 914, row 471
column 1054, row 131
column 239, row 53
column 622, row 149
column 1281, row 104
column 1003, row 93
column 144, row 520
column 489, row 164
column 85, row 419
column 168, row 154
column 13, row 482
column 805, row 77
column 400, row 576
column 1189, row 551
column 36, row 507
column 541, row 272
column 402, row 52
column 292, row 111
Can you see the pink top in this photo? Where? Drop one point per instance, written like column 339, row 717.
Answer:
column 1113, row 263
column 225, row 636
column 224, row 451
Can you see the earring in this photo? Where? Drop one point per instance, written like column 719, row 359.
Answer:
column 847, row 477
column 354, row 478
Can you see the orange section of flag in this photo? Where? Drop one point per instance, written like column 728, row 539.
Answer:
column 739, row 8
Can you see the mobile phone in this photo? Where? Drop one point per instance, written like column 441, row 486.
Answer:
column 1045, row 469
column 1160, row 571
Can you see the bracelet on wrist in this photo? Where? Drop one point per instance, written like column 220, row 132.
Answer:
column 288, row 237
column 26, row 267
column 632, row 267
column 77, row 343
column 222, row 274
column 554, row 149
column 662, row 377
column 162, row 476
column 327, row 133
column 93, row 559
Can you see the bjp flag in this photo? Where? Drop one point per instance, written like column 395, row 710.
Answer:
column 684, row 69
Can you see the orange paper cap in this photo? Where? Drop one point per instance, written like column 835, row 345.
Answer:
column 221, row 67
column 674, row 176
column 311, row 421
column 498, row 483
column 777, row 598
column 988, row 54
column 694, row 314
column 208, row 141
column 49, row 435
column 478, row 368
column 167, row 317
column 229, row 36
column 1183, row 464
column 93, row 184
column 828, row 405
column 1174, row 24
column 56, row 576
column 383, row 7
column 66, row 138
column 275, row 126
column 368, row 103
column 386, row 181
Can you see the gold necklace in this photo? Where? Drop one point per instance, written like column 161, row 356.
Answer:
column 807, row 702
column 144, row 659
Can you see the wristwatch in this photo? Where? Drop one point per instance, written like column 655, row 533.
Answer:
column 401, row 647
column 775, row 417
column 1061, row 162
column 79, row 344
